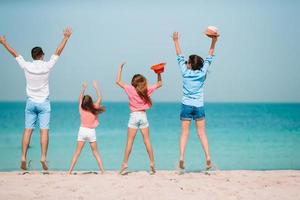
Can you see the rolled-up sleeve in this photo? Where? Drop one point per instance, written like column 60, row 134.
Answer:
column 20, row 60
column 207, row 63
column 52, row 61
column 182, row 63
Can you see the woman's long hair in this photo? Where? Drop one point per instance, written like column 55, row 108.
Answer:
column 88, row 105
column 139, row 82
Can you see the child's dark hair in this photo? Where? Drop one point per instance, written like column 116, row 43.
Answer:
column 37, row 53
column 139, row 82
column 196, row 62
column 88, row 105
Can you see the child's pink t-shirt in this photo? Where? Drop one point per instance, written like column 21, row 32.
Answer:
column 88, row 119
column 136, row 103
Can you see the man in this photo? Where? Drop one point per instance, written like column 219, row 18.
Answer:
column 37, row 89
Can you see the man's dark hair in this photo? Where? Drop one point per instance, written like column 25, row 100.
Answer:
column 37, row 53
column 196, row 62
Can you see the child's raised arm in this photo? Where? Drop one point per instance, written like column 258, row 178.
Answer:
column 159, row 81
column 176, row 43
column 61, row 46
column 99, row 99
column 7, row 47
column 84, row 86
column 119, row 81
column 212, row 46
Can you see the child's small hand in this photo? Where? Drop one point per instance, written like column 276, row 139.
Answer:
column 84, row 85
column 122, row 65
column 2, row 40
column 95, row 84
column 175, row 36
column 67, row 32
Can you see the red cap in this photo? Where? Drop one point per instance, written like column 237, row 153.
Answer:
column 158, row 68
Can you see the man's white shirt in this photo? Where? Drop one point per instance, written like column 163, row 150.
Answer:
column 37, row 77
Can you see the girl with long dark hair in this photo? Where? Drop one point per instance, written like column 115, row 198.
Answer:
column 89, row 112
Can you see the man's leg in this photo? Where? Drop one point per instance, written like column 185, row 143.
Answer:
column 30, row 122
column 44, row 147
column 44, row 110
column 25, row 143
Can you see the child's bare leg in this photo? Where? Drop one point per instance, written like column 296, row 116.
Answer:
column 200, row 125
column 80, row 145
column 146, row 137
column 97, row 155
column 130, row 139
column 185, row 129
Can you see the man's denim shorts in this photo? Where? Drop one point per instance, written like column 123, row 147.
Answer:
column 189, row 113
column 37, row 113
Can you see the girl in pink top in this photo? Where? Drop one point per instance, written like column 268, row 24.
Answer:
column 139, row 101
column 89, row 112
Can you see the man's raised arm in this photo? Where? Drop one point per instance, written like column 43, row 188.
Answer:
column 67, row 35
column 7, row 47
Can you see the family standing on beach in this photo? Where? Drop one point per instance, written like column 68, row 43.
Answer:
column 38, row 109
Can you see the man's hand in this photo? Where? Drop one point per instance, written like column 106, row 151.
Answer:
column 175, row 36
column 7, row 46
column 2, row 40
column 67, row 32
column 61, row 46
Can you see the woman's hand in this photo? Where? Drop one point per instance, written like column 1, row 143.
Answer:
column 175, row 36
column 176, row 43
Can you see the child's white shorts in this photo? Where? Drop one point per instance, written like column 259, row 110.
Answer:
column 86, row 134
column 138, row 120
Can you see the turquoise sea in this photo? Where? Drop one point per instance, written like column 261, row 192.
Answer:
column 241, row 136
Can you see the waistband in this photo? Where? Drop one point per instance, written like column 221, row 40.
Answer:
column 90, row 129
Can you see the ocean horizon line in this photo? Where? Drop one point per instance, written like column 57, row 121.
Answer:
column 172, row 102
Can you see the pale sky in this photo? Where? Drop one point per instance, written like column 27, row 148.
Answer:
column 256, row 56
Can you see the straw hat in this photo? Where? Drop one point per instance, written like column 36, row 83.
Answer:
column 212, row 31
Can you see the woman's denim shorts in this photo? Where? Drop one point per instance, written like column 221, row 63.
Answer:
column 189, row 113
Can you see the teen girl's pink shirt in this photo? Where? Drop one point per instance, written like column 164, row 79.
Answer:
column 136, row 103
column 88, row 119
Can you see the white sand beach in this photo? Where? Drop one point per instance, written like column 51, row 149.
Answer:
column 164, row 185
